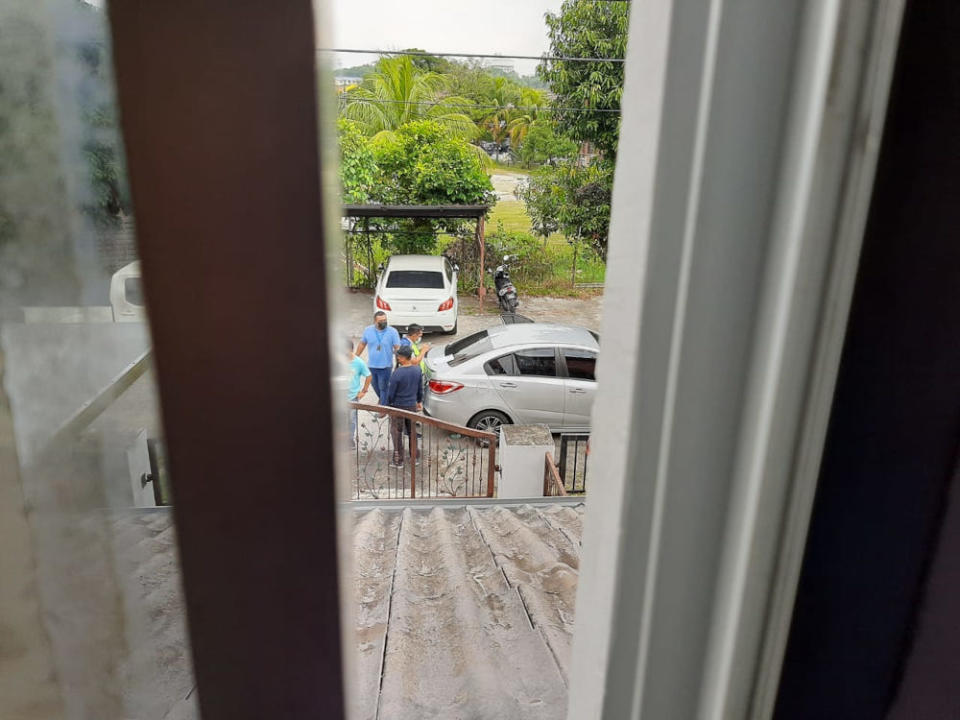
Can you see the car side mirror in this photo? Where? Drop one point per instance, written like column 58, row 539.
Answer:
column 456, row 268
column 380, row 268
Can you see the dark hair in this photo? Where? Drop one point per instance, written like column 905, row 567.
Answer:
column 378, row 313
column 413, row 329
column 405, row 351
column 349, row 343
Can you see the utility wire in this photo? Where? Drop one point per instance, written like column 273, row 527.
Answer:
column 414, row 53
column 346, row 98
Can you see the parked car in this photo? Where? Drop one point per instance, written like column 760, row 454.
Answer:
column 419, row 289
column 530, row 373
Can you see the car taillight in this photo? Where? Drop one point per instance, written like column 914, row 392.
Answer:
column 382, row 304
column 446, row 305
column 443, row 387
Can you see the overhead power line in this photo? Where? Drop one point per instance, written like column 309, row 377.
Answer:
column 347, row 98
column 564, row 58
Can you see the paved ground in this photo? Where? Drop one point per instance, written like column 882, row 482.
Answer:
column 505, row 185
column 573, row 311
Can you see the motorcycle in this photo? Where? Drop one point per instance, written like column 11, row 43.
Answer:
column 506, row 292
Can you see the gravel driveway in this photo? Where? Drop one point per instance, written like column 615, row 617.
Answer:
column 358, row 308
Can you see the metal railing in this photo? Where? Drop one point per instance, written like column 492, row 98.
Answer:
column 552, row 484
column 572, row 459
column 401, row 454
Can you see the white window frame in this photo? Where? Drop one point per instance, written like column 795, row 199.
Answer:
column 748, row 147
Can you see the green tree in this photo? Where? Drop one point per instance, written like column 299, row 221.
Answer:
column 541, row 145
column 423, row 164
column 397, row 93
column 572, row 199
column 583, row 90
column 533, row 103
column 499, row 108
column 358, row 167
column 430, row 63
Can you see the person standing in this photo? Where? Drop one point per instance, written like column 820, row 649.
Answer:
column 414, row 338
column 381, row 341
column 357, row 388
column 405, row 392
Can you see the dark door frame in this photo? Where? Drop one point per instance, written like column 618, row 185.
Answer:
column 218, row 100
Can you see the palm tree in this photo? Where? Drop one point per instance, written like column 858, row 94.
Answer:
column 532, row 103
column 502, row 100
column 397, row 93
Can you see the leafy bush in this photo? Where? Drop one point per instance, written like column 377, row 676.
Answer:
column 527, row 256
column 419, row 164
column 358, row 168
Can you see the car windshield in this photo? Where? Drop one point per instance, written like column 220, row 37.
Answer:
column 428, row 279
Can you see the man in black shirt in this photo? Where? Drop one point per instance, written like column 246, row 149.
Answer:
column 405, row 392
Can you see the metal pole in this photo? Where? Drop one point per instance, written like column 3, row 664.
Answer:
column 366, row 236
column 491, row 465
column 413, row 458
column 482, row 290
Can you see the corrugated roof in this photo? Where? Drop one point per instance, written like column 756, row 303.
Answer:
column 461, row 610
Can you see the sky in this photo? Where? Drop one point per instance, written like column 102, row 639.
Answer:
column 508, row 27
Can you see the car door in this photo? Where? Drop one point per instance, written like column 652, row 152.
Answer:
column 534, row 391
column 580, row 386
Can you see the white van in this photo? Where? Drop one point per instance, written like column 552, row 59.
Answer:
column 126, row 294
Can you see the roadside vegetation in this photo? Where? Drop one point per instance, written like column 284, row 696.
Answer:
column 418, row 129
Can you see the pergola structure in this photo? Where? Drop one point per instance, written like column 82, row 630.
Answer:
column 433, row 212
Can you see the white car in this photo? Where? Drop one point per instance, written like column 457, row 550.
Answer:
column 419, row 289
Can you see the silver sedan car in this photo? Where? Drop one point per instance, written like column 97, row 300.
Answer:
column 535, row 373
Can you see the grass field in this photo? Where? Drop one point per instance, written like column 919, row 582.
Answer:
column 557, row 252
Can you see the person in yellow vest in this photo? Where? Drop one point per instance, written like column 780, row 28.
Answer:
column 414, row 338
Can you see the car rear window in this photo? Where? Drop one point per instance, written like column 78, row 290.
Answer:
column 455, row 347
column 470, row 347
column 427, row 279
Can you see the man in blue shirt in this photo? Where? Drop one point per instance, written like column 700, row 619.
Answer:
column 382, row 341
column 406, row 393
column 359, row 384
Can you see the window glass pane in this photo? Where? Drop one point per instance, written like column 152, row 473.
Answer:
column 580, row 364
column 502, row 366
column 415, row 279
column 540, row 361
column 469, row 353
column 456, row 347
column 83, row 445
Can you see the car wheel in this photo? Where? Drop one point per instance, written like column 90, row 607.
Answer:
column 451, row 332
column 488, row 421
